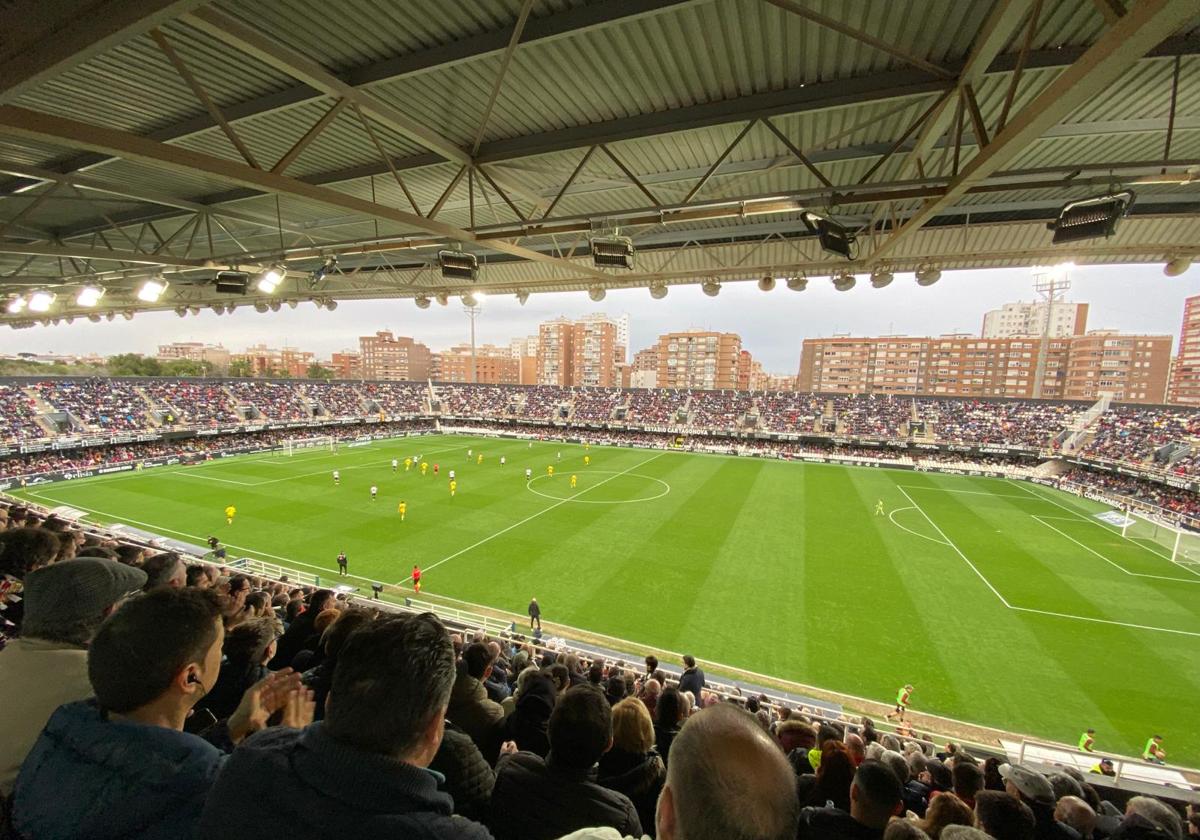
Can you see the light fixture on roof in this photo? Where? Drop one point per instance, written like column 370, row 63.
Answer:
column 218, row 308
column 293, row 303
column 269, row 280
column 261, row 307
column 327, row 268
column 331, row 304
column 231, row 282
column 16, row 305
column 229, row 308
column 1091, row 218
column 833, row 237
column 195, row 310
column 458, row 265
column 881, row 277
column 597, row 293
column 797, row 283
column 612, row 251
column 766, row 283
column 927, row 275
column 1177, row 266
column 421, row 301
column 711, row 287
column 274, row 306
column 94, row 317
column 442, row 298
column 127, row 314
column 844, row 281
column 89, row 296
column 522, row 296
column 181, row 311
column 110, row 315
column 152, row 290
column 471, row 299
column 658, row 291
column 41, row 300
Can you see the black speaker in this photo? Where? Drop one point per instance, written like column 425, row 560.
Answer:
column 232, row 282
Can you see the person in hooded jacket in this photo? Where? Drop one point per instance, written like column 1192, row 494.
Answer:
column 528, row 725
column 633, row 766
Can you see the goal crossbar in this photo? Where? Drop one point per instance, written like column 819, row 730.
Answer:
column 293, row 445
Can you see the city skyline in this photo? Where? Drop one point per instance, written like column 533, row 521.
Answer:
column 772, row 325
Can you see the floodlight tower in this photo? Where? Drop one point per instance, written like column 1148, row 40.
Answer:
column 473, row 306
column 1051, row 283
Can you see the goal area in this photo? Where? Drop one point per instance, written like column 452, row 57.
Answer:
column 293, row 445
column 1165, row 536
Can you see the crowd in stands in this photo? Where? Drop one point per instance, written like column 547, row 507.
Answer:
column 1124, row 433
column 149, row 697
column 1131, row 433
column 1175, row 500
column 18, row 417
column 1016, row 422
column 98, row 403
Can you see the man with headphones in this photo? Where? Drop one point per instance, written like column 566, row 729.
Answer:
column 124, row 756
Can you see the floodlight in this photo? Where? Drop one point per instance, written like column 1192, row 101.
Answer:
column 181, row 311
column 1177, row 266
column 293, row 303
column 195, row 310
column 766, row 283
column 261, row 307
column 229, row 309
column 469, row 299
column 270, row 279
column 110, row 315
column 442, row 298
column 927, row 275
column 612, row 252
column 711, row 287
column 844, row 281
column 522, row 296
column 41, row 300
column 798, row 283
column 881, row 277
column 232, row 282
column 127, row 314
column 94, row 317
column 218, row 308
column 1090, row 218
column 458, row 265
column 658, row 291
column 89, row 296
column 15, row 306
column 597, row 293
column 152, row 290
column 328, row 267
column 274, row 306
column 422, row 302
column 833, row 237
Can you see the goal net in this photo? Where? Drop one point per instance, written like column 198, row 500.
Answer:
column 293, row 445
column 1164, row 535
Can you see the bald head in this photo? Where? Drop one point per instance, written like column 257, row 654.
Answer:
column 727, row 779
column 1076, row 813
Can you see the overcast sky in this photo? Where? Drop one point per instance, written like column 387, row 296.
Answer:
column 772, row 325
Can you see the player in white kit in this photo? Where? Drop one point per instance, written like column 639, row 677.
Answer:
column 528, row 473
column 395, row 464
column 451, row 475
column 337, row 478
column 374, row 490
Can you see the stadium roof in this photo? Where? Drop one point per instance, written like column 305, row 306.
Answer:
column 181, row 137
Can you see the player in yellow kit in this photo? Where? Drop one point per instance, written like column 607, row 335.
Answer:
column 479, row 458
column 453, row 488
column 407, row 464
column 550, row 471
column 574, row 479
column 402, row 509
column 230, row 512
column 587, row 459
column 424, row 467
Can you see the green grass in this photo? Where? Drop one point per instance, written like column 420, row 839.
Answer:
column 775, row 567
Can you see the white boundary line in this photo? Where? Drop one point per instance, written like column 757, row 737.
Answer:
column 1088, row 548
column 1004, row 600
column 533, row 516
column 1107, row 529
column 967, row 492
column 529, row 487
column 892, row 517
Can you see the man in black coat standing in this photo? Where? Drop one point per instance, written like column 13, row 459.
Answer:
column 692, row 678
column 535, row 614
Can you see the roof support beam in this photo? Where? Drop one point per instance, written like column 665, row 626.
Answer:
column 1117, row 49
column 43, row 39
column 36, row 125
column 83, row 252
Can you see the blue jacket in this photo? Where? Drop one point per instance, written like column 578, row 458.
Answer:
column 91, row 778
column 318, row 787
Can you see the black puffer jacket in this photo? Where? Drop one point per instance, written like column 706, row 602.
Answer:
column 530, row 720
column 469, row 779
column 536, row 799
column 640, row 776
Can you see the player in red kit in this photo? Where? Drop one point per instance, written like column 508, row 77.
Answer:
column 416, row 579
column 435, row 469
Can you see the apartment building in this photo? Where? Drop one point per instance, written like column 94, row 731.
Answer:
column 1185, row 373
column 493, row 365
column 699, row 359
column 396, row 358
column 195, row 351
column 1023, row 320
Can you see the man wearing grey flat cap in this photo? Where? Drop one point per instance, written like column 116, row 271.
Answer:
column 1034, row 790
column 65, row 604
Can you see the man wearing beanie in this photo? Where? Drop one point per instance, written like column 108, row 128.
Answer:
column 65, row 603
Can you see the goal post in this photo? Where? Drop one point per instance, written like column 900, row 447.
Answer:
column 293, row 445
column 1163, row 535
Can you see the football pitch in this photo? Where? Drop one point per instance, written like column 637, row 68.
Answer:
column 1004, row 603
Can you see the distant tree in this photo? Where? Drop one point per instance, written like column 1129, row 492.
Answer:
column 186, row 367
column 240, row 367
column 133, row 364
column 319, row 371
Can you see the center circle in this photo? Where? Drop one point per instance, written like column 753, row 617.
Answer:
column 666, row 488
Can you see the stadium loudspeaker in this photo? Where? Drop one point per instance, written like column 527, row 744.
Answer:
column 711, row 287
column 596, row 293
column 1177, row 266
column 798, row 283
column 766, row 283
column 658, row 291
column 232, row 282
